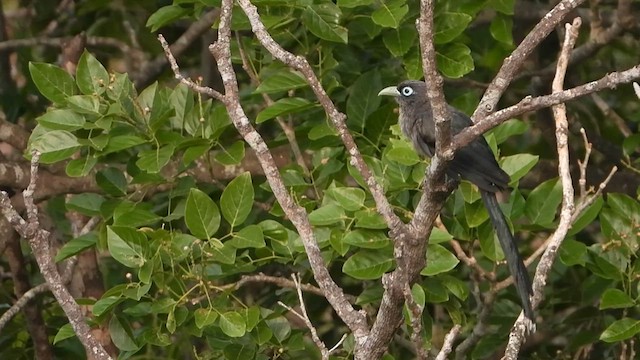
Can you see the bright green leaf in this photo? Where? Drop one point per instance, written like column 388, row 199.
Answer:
column 237, row 199
column 201, row 215
column 53, row 82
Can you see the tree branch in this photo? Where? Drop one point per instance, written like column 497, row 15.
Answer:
column 514, row 62
column 39, row 241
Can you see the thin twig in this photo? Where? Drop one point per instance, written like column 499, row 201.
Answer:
column 415, row 317
column 519, row 331
column 447, row 346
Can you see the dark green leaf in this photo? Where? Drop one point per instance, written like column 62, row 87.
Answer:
column 82, row 166
column 231, row 155
column 501, row 28
column 349, row 198
column 121, row 334
column 390, row 13
column 283, row 107
column 76, row 246
column 91, row 76
column 53, row 82
column 323, row 21
column 237, row 199
column 621, row 330
column 201, row 215
column 368, row 239
column 517, row 166
column 399, row 41
column 62, row 119
column 232, row 324
column 165, row 15
column 281, row 81
column 127, row 246
column 439, row 260
column 449, row 25
column 204, row 317
column 112, row 181
column 249, row 237
column 86, row 204
column 615, row 299
column 65, row 332
column 363, row 98
column 154, row 160
column 327, row 215
column 455, row 60
column 543, row 202
column 367, row 265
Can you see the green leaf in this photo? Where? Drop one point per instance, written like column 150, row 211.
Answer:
column 249, row 237
column 165, row 15
column 475, row 214
column 367, row 265
column 53, row 82
column 86, row 104
column 615, row 299
column 65, row 332
column 327, row 215
column 201, row 215
column 237, row 199
column 501, row 28
column 134, row 217
column 86, row 204
column 232, row 324
column 112, row 181
column 283, row 107
column 439, row 236
column 573, row 253
column 121, row 334
column 76, row 246
column 399, row 41
column 231, row 155
column 402, row 152
column 455, row 60
column 517, row 166
column 347, row 4
column 322, row 21
column 91, row 76
column 457, row 287
column 621, row 330
column 60, row 143
column 81, row 167
column 205, row 317
column 368, row 239
column 508, row 129
column 449, row 25
column 105, row 304
column 152, row 161
column 283, row 80
column 121, row 142
column 390, row 13
column 587, row 216
column 349, row 198
column 127, row 246
column 61, row 119
column 439, row 260
column 363, row 98
column 543, row 202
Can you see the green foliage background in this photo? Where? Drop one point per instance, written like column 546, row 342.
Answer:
column 174, row 245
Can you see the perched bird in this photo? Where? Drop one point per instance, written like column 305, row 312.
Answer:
column 474, row 162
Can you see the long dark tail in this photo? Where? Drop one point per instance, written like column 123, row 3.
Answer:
column 511, row 253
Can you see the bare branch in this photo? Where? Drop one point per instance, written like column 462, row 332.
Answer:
column 447, row 346
column 39, row 240
column 529, row 104
column 518, row 333
column 305, row 317
column 514, row 62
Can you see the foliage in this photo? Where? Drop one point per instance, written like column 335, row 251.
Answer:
column 176, row 243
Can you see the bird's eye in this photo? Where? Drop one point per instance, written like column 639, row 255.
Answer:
column 407, row 91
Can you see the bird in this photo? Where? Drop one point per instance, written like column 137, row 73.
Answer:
column 474, row 162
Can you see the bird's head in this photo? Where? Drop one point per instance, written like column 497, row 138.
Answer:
column 410, row 93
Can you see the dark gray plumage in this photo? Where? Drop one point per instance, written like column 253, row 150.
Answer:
column 474, row 162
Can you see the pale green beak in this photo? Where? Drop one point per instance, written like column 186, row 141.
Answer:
column 389, row 91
